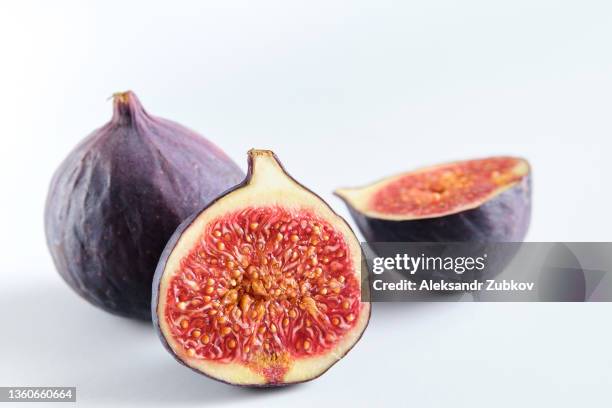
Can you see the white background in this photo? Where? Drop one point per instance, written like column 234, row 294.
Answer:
column 345, row 93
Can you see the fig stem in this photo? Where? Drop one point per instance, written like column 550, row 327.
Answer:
column 125, row 105
column 121, row 97
column 264, row 165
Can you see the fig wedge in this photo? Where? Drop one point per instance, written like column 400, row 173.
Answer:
column 482, row 200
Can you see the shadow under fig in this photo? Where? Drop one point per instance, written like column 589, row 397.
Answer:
column 53, row 337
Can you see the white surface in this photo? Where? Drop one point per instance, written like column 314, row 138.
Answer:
column 344, row 92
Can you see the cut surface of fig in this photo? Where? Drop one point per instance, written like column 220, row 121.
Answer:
column 483, row 199
column 439, row 190
column 262, row 287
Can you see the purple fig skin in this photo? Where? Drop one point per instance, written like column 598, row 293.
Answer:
column 503, row 218
column 118, row 197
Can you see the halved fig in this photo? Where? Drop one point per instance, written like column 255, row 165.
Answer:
column 482, row 200
column 263, row 286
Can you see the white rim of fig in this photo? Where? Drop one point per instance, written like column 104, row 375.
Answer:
column 269, row 185
column 359, row 197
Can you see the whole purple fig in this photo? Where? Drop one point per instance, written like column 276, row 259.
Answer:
column 118, row 197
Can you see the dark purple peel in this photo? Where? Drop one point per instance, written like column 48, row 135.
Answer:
column 119, row 195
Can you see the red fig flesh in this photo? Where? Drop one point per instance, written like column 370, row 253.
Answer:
column 263, row 286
